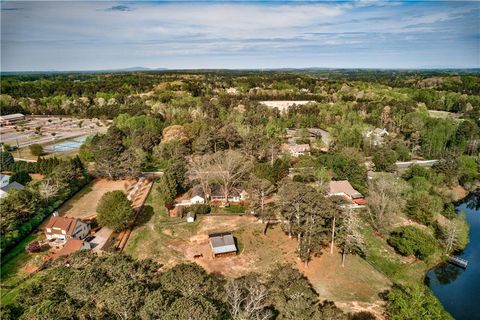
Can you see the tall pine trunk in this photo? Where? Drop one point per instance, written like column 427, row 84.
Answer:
column 333, row 235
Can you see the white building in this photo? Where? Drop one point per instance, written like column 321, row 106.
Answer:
column 296, row 150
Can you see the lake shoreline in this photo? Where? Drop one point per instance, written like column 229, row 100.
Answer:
column 434, row 276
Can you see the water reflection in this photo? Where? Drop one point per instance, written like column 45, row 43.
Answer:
column 447, row 273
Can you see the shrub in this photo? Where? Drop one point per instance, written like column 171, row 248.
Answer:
column 414, row 302
column 36, row 150
column 422, row 207
column 33, row 247
column 298, row 178
column 449, row 211
column 402, row 151
column 235, row 209
column 410, row 240
column 115, row 211
column 384, row 160
column 21, row 177
column 6, row 158
column 200, row 208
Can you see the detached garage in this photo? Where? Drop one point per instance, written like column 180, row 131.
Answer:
column 222, row 244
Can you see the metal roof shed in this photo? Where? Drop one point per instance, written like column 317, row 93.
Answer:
column 222, row 244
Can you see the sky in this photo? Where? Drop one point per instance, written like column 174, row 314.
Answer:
column 101, row 35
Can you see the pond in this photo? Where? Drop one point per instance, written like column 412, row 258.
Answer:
column 459, row 289
column 67, row 145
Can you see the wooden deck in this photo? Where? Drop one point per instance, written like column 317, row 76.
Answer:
column 458, row 261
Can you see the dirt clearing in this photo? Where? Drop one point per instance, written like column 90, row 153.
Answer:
column 83, row 205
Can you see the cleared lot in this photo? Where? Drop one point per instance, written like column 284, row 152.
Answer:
column 84, row 204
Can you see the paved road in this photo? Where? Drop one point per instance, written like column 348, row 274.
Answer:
column 423, row 163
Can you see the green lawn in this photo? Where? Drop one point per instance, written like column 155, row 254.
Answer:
column 155, row 228
column 398, row 268
column 11, row 269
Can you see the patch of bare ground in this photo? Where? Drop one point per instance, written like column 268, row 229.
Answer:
column 83, row 205
column 354, row 287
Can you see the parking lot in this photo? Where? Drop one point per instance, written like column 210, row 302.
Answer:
column 47, row 130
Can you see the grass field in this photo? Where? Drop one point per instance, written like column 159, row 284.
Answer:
column 15, row 267
column 403, row 270
column 24, row 153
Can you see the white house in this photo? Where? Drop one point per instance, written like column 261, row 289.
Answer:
column 195, row 196
column 63, row 228
column 376, row 137
column 296, row 150
column 4, row 180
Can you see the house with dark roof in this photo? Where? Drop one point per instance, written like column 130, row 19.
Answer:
column 63, row 228
column 11, row 186
column 217, row 194
column 222, row 244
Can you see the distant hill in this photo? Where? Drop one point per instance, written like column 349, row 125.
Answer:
column 131, row 69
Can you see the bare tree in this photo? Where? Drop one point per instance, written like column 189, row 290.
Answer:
column 230, row 168
column 258, row 190
column 385, row 200
column 247, row 299
column 48, row 188
column 351, row 239
column 200, row 170
column 455, row 234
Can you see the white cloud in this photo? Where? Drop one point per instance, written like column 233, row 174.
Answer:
column 148, row 30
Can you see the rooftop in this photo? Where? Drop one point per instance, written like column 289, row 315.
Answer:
column 13, row 186
column 62, row 223
column 222, row 243
column 71, row 246
column 343, row 186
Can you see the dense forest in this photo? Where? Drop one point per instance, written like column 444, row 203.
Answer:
column 212, row 129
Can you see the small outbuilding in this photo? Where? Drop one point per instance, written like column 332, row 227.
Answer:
column 222, row 244
column 191, row 217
